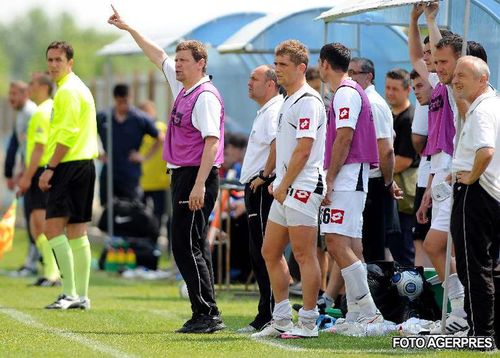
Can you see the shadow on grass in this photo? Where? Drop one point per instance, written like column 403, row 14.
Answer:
column 213, row 338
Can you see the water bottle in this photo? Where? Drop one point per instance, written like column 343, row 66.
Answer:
column 121, row 259
column 111, row 265
column 380, row 329
column 131, row 259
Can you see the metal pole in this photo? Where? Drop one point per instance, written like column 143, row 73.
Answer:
column 109, row 152
column 466, row 27
column 325, row 41
column 449, row 243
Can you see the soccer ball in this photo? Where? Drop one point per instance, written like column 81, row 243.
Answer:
column 408, row 284
column 183, row 290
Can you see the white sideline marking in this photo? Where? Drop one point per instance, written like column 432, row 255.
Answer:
column 32, row 322
column 289, row 347
column 281, row 346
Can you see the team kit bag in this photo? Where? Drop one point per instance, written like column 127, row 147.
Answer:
column 400, row 292
column 137, row 228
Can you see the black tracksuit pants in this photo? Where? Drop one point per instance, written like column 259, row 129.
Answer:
column 189, row 244
column 378, row 204
column 475, row 228
column 258, row 205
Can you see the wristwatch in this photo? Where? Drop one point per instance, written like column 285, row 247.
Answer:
column 48, row 167
column 262, row 177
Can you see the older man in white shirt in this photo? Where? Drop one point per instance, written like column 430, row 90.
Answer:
column 257, row 174
column 475, row 224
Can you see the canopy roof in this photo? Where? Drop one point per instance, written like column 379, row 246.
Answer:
column 212, row 32
column 484, row 20
column 390, row 10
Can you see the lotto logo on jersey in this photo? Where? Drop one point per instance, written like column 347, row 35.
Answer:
column 304, row 123
column 302, row 195
column 337, row 216
column 344, row 113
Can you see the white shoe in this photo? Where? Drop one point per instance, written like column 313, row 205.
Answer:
column 272, row 330
column 64, row 302
column 454, row 324
column 350, row 317
column 300, row 331
column 23, row 272
column 247, row 329
column 129, row 274
column 377, row 318
column 84, row 303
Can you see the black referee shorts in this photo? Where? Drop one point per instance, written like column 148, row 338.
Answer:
column 34, row 197
column 72, row 191
column 420, row 230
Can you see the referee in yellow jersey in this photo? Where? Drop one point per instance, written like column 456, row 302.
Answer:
column 37, row 134
column 69, row 177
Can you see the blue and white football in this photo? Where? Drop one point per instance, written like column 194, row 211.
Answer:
column 408, row 283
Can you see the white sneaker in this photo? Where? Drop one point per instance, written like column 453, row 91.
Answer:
column 454, row 324
column 272, row 330
column 64, row 302
column 84, row 303
column 350, row 317
column 300, row 331
column 377, row 318
column 129, row 274
column 23, row 272
column 247, row 329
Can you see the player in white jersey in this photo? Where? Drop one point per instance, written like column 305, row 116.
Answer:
column 352, row 142
column 298, row 191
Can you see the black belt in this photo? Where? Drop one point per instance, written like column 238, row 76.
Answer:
column 172, row 170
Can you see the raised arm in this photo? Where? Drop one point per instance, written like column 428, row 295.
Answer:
column 155, row 53
column 415, row 48
column 431, row 11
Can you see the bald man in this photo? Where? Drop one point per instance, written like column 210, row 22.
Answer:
column 257, row 173
column 475, row 227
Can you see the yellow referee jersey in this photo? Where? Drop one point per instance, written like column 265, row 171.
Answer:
column 73, row 122
column 38, row 132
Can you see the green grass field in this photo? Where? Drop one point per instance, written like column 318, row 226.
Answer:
column 137, row 319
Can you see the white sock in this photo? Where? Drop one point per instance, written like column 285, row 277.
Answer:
column 456, row 296
column 308, row 317
column 356, row 284
column 282, row 311
column 455, row 288
column 457, row 307
column 367, row 306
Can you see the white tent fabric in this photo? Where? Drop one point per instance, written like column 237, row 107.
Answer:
column 348, row 7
